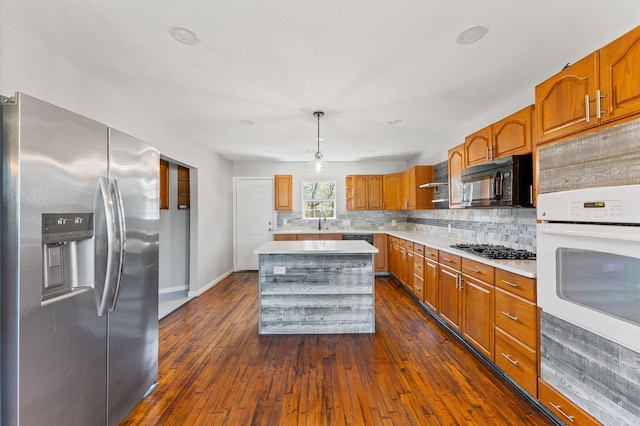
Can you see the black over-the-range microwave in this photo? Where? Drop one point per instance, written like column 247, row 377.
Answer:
column 506, row 182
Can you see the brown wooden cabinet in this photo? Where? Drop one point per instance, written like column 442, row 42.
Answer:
column 418, row 271
column 392, row 190
column 380, row 259
column 510, row 136
column 283, row 192
column 516, row 328
column 364, row 192
column 164, row 185
column 431, row 279
column 561, row 106
column 513, row 134
column 398, row 259
column 285, row 237
column 450, row 296
column 413, row 197
column 456, row 164
column 562, row 407
column 477, row 147
column 600, row 88
column 184, row 188
column 478, row 306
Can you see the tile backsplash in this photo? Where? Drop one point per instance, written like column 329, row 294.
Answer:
column 515, row 228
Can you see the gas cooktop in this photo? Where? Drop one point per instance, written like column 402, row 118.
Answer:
column 492, row 251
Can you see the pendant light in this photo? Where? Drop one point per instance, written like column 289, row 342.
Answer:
column 318, row 165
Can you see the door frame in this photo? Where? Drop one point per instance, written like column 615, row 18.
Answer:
column 235, row 212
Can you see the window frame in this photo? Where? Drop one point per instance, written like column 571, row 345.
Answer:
column 333, row 200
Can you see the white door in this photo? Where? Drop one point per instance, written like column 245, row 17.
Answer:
column 254, row 219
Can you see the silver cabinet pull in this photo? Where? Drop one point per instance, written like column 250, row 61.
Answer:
column 586, row 106
column 508, row 357
column 510, row 283
column 599, row 110
column 557, row 407
column 447, row 259
column 473, row 270
column 508, row 315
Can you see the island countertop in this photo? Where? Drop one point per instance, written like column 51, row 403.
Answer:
column 316, row 246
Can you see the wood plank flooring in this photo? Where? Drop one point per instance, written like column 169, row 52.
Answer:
column 216, row 370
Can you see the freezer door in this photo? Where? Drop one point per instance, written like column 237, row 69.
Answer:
column 133, row 320
column 53, row 352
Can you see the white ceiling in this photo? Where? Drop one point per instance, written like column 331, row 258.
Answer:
column 362, row 62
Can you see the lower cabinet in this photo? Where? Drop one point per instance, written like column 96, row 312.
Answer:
column 450, row 296
column 477, row 315
column 562, row 407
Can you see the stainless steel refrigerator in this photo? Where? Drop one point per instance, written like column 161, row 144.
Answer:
column 79, row 299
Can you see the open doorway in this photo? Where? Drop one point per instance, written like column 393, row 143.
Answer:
column 176, row 181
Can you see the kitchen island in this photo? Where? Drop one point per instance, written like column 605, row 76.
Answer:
column 316, row 287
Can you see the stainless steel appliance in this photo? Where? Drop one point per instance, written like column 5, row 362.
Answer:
column 79, row 268
column 589, row 260
column 495, row 251
column 506, row 182
column 365, row 237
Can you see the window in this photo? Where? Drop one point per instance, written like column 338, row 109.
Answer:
column 319, row 199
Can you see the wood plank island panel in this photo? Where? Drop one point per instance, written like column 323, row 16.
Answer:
column 316, row 293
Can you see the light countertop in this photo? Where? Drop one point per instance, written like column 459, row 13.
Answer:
column 525, row 268
column 316, row 246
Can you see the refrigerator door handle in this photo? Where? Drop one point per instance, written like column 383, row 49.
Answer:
column 123, row 242
column 103, row 306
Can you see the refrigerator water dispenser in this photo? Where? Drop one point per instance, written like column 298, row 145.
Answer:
column 68, row 254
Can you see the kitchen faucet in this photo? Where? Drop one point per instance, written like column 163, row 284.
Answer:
column 319, row 217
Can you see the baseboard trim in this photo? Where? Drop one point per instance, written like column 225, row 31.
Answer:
column 198, row 292
column 172, row 289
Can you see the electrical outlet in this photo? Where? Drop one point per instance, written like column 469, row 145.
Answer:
column 393, row 222
column 279, row 270
column 284, row 221
column 449, row 228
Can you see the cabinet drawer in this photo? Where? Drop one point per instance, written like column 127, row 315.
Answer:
column 418, row 249
column 431, row 253
column 392, row 240
column 408, row 245
column 418, row 266
column 516, row 284
column 285, row 237
column 478, row 270
column 418, row 286
column 517, row 317
column 450, row 260
column 517, row 360
column 562, row 407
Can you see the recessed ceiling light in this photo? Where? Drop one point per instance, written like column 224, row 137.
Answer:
column 183, row 34
column 248, row 122
column 472, row 34
column 395, row 121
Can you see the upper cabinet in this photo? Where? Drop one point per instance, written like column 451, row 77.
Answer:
column 510, row 136
column 164, row 184
column 283, row 192
column 456, row 164
column 600, row 88
column 478, row 146
column 364, row 192
column 392, row 191
column 415, row 198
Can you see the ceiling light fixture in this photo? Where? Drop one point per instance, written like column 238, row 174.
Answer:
column 183, row 34
column 318, row 165
column 472, row 34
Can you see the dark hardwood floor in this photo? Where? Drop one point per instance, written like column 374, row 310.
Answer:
column 216, row 370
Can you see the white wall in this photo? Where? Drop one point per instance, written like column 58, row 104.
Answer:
column 28, row 66
column 339, row 170
column 174, row 240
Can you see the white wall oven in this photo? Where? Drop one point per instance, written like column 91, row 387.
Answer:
column 589, row 260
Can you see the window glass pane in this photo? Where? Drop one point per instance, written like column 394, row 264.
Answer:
column 319, row 199
column 605, row 282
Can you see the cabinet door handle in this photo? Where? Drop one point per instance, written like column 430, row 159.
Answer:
column 508, row 315
column 435, row 270
column 447, row 259
column 586, row 106
column 473, row 270
column 557, row 407
column 510, row 283
column 488, row 154
column 508, row 357
column 599, row 110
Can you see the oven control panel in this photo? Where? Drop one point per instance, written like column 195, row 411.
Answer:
column 589, row 211
column 614, row 204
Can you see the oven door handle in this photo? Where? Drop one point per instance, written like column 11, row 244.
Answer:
column 591, row 233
